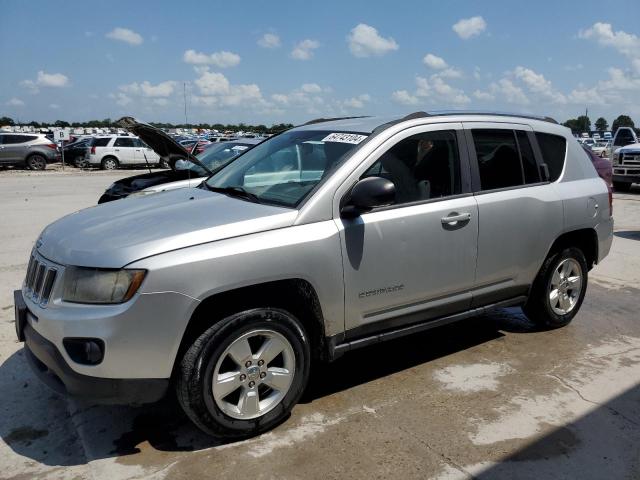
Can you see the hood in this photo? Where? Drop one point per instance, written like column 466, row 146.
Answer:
column 628, row 148
column 128, row 185
column 115, row 234
column 160, row 142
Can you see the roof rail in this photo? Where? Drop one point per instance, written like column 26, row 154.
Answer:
column 322, row 120
column 497, row 114
column 411, row 116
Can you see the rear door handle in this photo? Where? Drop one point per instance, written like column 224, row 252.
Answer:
column 455, row 217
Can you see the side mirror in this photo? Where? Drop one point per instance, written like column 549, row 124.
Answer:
column 367, row 194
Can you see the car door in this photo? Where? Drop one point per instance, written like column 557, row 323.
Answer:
column 13, row 148
column 124, row 149
column 414, row 260
column 3, row 153
column 520, row 211
column 144, row 154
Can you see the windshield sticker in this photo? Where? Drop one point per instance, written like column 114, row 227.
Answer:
column 352, row 138
column 239, row 147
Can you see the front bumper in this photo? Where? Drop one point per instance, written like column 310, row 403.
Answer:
column 49, row 365
column 624, row 174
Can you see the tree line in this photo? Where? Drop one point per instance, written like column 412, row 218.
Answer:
column 583, row 124
column 577, row 125
column 107, row 122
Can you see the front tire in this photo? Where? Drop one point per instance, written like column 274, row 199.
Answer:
column 36, row 162
column 559, row 289
column 244, row 374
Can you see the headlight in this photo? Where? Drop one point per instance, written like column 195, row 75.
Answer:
column 94, row 285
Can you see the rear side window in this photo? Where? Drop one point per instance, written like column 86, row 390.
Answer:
column 554, row 148
column 529, row 165
column 123, row 142
column 101, row 142
column 13, row 139
column 498, row 159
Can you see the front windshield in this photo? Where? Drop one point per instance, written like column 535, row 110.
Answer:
column 285, row 168
column 217, row 156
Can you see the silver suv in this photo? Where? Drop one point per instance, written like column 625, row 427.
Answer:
column 325, row 238
column 33, row 150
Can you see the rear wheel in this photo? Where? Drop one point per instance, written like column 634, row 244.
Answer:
column 559, row 289
column 622, row 186
column 244, row 374
column 109, row 163
column 36, row 162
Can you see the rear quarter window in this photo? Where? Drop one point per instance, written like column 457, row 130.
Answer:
column 101, row 142
column 554, row 152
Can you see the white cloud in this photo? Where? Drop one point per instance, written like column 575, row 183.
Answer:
column 403, row 97
column 45, row 79
column 147, row 89
column 216, row 90
column 505, row 88
column 626, row 43
column 311, row 88
column 469, row 27
column 14, row 102
column 365, row 41
column 435, row 62
column 357, row 102
column 160, row 101
column 269, row 40
column 483, row 96
column 536, row 83
column 304, row 49
column 120, row 98
column 221, row 59
column 125, row 35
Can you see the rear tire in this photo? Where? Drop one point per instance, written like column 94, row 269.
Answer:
column 621, row 186
column 227, row 382
column 558, row 290
column 109, row 163
column 36, row 162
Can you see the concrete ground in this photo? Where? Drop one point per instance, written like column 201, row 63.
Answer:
column 488, row 398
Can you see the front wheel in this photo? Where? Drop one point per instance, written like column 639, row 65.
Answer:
column 36, row 162
column 244, row 374
column 558, row 290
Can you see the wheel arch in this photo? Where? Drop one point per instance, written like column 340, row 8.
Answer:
column 586, row 239
column 295, row 295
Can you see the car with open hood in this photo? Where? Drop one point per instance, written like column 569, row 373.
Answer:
column 186, row 169
column 328, row 237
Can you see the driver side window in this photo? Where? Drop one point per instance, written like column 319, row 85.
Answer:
column 422, row 167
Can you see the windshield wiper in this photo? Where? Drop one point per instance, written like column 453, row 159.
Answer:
column 234, row 191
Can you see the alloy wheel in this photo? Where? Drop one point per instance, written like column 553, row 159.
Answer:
column 565, row 286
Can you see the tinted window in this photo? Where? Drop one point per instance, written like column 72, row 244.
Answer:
column 101, row 142
column 123, row 142
column 553, row 149
column 13, row 139
column 421, row 167
column 623, row 137
column 529, row 165
column 498, row 159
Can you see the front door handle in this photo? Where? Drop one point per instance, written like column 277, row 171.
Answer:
column 454, row 217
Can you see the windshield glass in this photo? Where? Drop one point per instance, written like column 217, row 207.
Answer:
column 285, row 168
column 217, row 156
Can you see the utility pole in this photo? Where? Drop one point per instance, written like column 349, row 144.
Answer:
column 184, row 93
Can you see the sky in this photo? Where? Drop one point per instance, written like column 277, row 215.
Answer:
column 292, row 61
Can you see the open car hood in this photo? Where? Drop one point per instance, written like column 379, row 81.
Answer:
column 160, row 142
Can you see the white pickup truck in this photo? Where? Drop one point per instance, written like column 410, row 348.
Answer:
column 625, row 158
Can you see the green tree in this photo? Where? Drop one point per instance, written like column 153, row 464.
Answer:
column 6, row 121
column 579, row 125
column 61, row 124
column 601, row 124
column 622, row 121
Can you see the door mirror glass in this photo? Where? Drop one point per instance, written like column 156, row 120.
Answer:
column 367, row 194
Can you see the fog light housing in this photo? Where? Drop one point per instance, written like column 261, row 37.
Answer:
column 86, row 351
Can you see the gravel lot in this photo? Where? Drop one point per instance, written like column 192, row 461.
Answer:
column 490, row 397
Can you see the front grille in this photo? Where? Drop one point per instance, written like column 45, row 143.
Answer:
column 631, row 159
column 39, row 280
